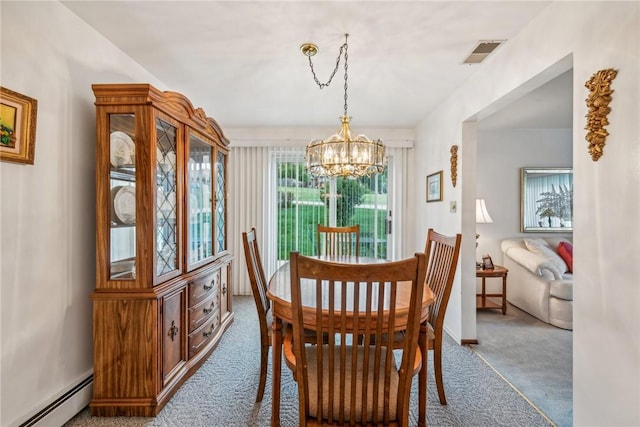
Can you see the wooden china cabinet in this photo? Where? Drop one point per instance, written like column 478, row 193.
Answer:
column 163, row 296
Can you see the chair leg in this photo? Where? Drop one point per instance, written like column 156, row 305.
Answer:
column 437, row 365
column 264, row 359
column 422, row 376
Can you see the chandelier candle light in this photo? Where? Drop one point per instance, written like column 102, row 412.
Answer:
column 343, row 153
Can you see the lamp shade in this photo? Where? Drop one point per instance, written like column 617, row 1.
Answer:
column 482, row 215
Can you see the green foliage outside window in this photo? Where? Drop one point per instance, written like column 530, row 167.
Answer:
column 303, row 203
column 349, row 194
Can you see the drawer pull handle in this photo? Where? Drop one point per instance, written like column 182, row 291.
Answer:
column 209, row 309
column 224, row 289
column 209, row 287
column 208, row 334
column 173, row 330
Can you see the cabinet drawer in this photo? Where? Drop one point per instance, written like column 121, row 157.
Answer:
column 203, row 287
column 201, row 336
column 201, row 312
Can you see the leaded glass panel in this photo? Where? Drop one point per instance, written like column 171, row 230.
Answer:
column 221, row 237
column 166, row 198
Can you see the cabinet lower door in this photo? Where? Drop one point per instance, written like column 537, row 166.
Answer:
column 131, row 374
column 225, row 291
column 173, row 334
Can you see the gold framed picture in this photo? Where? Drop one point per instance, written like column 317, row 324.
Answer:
column 17, row 127
column 434, row 187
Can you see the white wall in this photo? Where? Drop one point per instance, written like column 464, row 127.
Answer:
column 588, row 36
column 499, row 157
column 47, row 216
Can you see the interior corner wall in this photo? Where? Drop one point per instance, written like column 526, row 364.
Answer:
column 47, row 215
column 594, row 35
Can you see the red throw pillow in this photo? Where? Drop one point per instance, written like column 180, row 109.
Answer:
column 565, row 250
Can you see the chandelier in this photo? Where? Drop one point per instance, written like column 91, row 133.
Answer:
column 344, row 153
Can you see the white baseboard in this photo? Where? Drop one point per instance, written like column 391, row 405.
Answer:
column 62, row 409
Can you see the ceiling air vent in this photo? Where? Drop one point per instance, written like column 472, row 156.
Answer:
column 482, row 50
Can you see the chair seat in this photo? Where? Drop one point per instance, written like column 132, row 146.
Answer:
column 309, row 335
column 312, row 365
column 398, row 338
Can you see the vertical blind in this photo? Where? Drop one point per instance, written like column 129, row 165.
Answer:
column 268, row 183
column 247, row 205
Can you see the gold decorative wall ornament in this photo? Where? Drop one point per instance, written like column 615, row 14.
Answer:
column 598, row 103
column 454, row 164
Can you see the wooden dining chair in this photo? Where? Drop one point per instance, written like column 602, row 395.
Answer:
column 442, row 259
column 341, row 382
column 338, row 240
column 259, row 290
column 442, row 255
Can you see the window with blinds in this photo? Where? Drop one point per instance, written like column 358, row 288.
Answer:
column 303, row 202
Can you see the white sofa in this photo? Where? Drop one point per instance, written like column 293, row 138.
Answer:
column 537, row 282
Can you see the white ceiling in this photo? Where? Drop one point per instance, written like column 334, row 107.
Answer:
column 549, row 106
column 241, row 61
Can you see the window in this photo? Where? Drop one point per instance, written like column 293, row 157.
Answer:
column 304, row 201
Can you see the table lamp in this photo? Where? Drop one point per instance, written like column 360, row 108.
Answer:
column 482, row 217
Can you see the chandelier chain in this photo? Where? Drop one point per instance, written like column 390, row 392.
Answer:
column 346, row 67
column 344, row 153
column 313, row 71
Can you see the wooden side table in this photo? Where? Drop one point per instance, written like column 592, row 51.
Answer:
column 482, row 301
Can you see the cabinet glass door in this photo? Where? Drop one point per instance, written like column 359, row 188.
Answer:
column 221, row 202
column 199, row 202
column 166, row 198
column 122, row 199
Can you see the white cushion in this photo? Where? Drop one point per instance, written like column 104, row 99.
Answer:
column 561, row 313
column 541, row 247
column 562, row 289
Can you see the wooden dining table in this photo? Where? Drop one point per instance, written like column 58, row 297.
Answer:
column 279, row 293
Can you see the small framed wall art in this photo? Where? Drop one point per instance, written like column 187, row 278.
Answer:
column 487, row 262
column 17, row 127
column 434, row 187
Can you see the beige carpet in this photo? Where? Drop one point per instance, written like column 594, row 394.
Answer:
column 532, row 355
column 222, row 392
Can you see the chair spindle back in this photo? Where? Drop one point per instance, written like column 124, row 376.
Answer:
column 338, row 240
column 347, row 380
